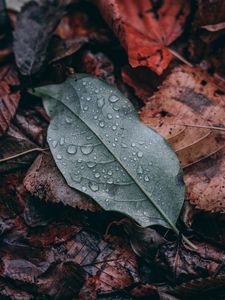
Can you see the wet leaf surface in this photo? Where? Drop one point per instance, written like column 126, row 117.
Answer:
column 90, row 131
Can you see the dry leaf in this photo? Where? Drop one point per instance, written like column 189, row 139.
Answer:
column 188, row 96
column 146, row 28
column 8, row 98
column 44, row 180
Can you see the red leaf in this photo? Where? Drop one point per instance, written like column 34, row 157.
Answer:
column 146, row 28
column 8, row 99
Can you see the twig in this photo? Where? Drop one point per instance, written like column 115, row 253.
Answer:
column 204, row 126
column 22, row 153
column 181, row 58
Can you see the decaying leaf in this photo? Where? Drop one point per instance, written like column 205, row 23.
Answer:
column 188, row 96
column 9, row 99
column 34, row 28
column 146, row 28
column 85, row 23
column 44, row 179
column 15, row 143
column 103, row 150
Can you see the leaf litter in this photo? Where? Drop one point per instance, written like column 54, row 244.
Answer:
column 41, row 238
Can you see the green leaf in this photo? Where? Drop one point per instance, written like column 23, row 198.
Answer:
column 103, row 150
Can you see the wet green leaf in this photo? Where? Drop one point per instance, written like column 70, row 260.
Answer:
column 103, row 150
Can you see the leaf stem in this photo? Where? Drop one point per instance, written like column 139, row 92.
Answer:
column 22, row 153
column 203, row 126
column 181, row 58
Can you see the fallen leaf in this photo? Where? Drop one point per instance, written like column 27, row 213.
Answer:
column 191, row 290
column 117, row 160
column 214, row 27
column 209, row 12
column 99, row 65
column 63, row 281
column 34, row 28
column 110, row 264
column 83, row 21
column 43, row 180
column 15, row 143
column 8, row 99
column 180, row 264
column 189, row 96
column 146, row 28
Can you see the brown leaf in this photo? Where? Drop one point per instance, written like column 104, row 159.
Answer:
column 110, row 265
column 8, row 98
column 142, row 80
column 83, row 21
column 188, row 96
column 146, row 28
column 209, row 12
column 14, row 143
column 62, row 281
column 179, row 264
column 44, row 180
column 99, row 65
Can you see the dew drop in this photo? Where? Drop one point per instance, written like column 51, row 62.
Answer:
column 95, row 117
column 100, row 103
column 75, row 177
column 84, row 188
column 116, row 108
column 139, row 154
column 124, row 158
column 59, row 156
column 85, row 108
column 89, row 137
column 113, row 127
column 71, row 149
column 97, row 175
column 110, row 181
column 86, row 149
column 101, row 124
column 110, row 172
column 54, row 144
column 146, row 178
column 84, row 82
column 91, row 164
column 133, row 144
column 69, row 120
column 62, row 140
column 114, row 145
column 109, row 116
column 113, row 98
column 93, row 186
column 88, row 98
column 124, row 145
column 140, row 170
column 49, row 138
column 117, row 116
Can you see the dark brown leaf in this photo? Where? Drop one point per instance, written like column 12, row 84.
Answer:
column 8, row 98
column 34, row 28
column 44, row 180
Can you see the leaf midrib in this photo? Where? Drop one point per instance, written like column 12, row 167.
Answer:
column 162, row 213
